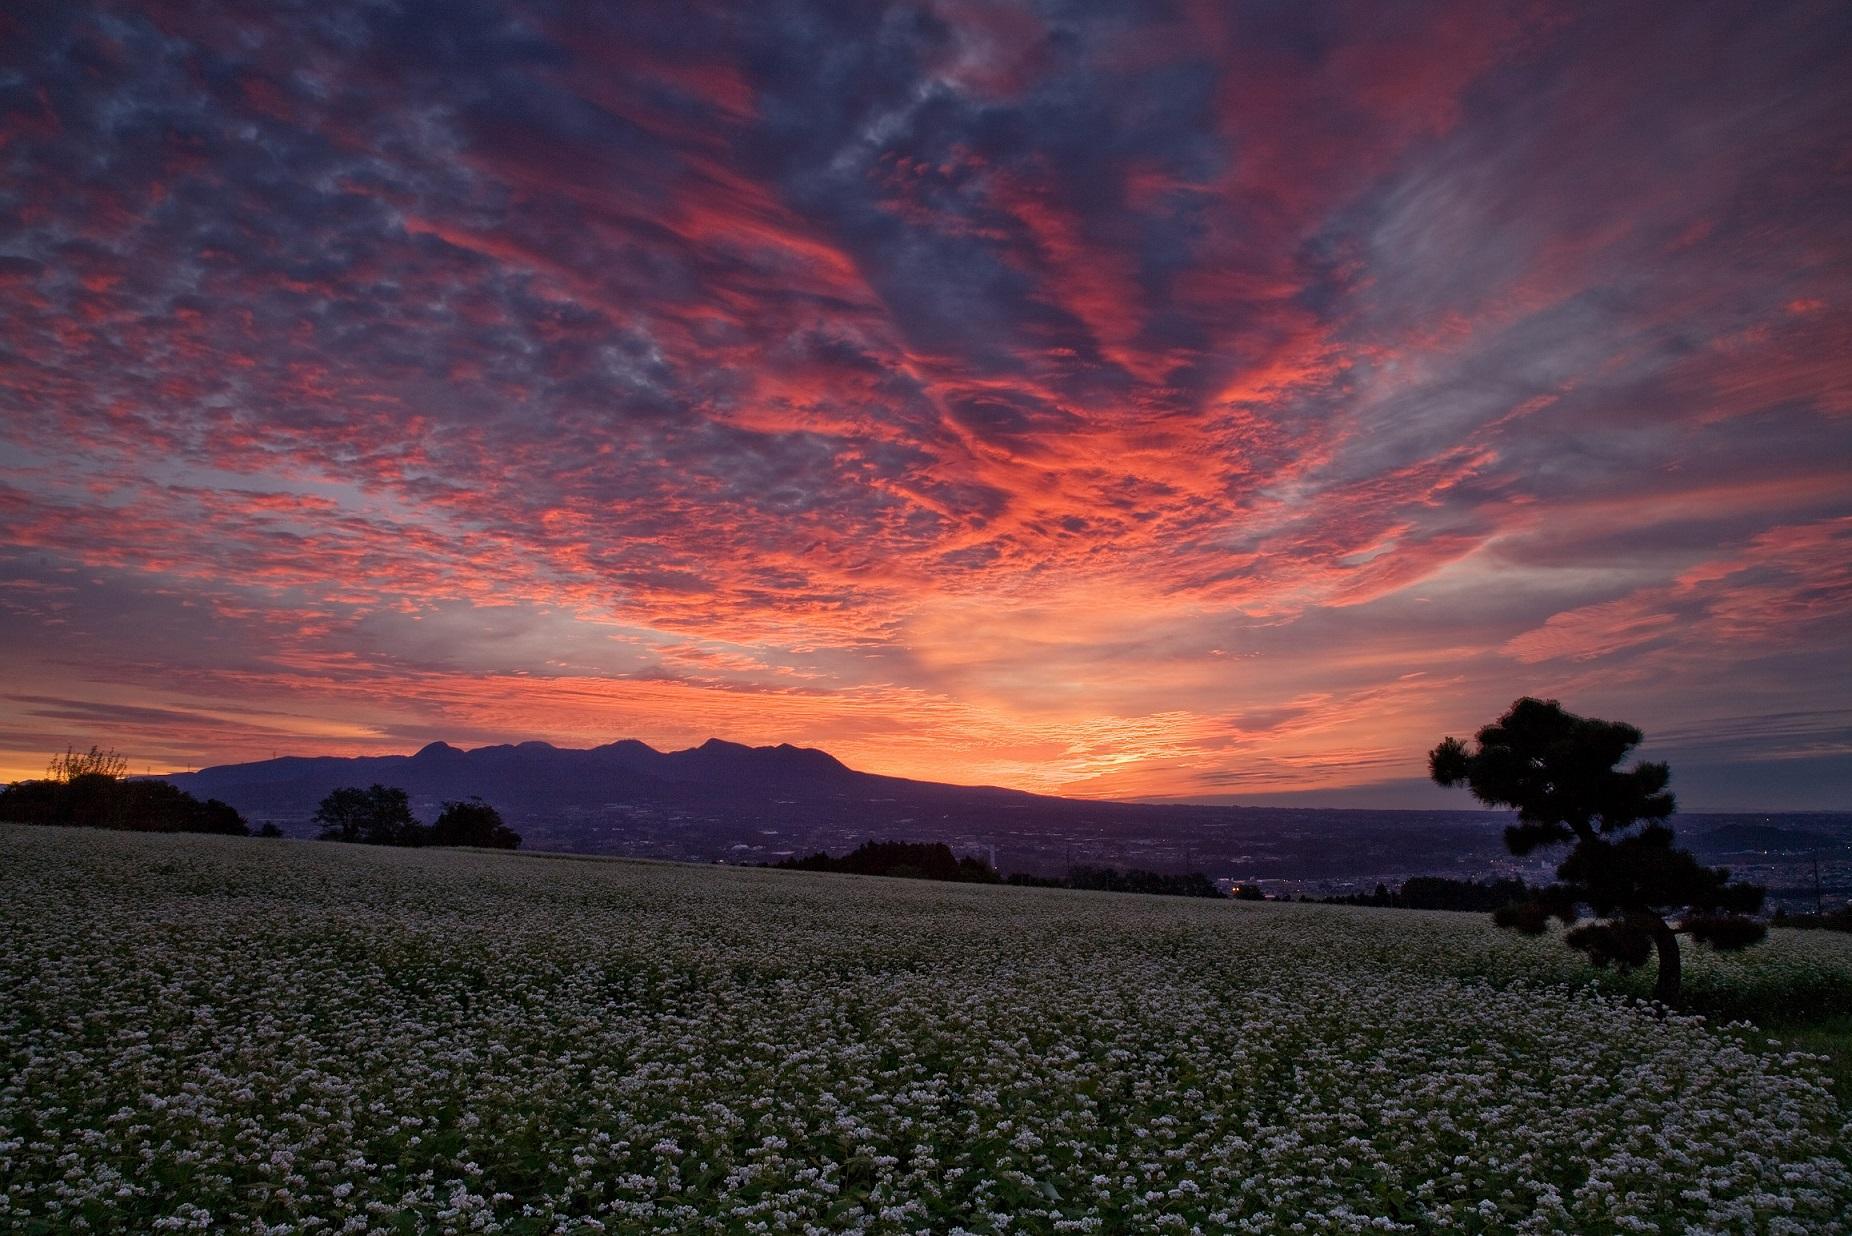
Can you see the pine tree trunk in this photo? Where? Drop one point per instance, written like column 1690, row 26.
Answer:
column 1666, row 989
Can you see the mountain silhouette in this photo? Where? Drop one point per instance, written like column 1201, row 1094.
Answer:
column 716, row 779
column 730, row 802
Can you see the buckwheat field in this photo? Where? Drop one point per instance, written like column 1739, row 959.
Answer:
column 234, row 1035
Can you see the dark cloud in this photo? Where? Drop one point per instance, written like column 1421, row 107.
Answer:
column 999, row 363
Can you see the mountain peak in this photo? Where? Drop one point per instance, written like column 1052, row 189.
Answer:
column 784, row 751
column 717, row 756
column 626, row 744
column 815, row 757
column 432, row 750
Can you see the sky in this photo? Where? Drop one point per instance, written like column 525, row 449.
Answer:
column 1200, row 400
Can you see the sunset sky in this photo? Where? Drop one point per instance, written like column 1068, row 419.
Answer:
column 1217, row 400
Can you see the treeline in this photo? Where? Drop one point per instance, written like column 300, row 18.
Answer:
column 1441, row 893
column 1831, row 920
column 905, row 860
column 382, row 815
column 934, row 860
column 1132, row 880
column 88, row 789
column 96, row 801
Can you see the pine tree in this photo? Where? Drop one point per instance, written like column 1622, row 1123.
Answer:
column 1560, row 772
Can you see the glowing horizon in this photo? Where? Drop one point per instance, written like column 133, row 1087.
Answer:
column 1202, row 401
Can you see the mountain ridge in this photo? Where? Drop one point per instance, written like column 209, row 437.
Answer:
column 729, row 802
column 718, row 779
column 716, row 757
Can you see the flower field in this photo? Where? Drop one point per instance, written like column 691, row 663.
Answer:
column 220, row 1034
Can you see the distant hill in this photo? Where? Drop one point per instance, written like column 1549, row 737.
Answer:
column 532, row 778
column 722, row 801
column 532, row 771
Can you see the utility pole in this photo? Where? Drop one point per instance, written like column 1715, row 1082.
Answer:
column 1819, row 906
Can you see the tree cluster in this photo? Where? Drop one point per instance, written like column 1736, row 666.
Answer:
column 1559, row 771
column 1441, row 893
column 88, row 790
column 905, row 860
column 934, row 860
column 1830, row 920
column 382, row 815
column 1138, row 880
column 1129, row 880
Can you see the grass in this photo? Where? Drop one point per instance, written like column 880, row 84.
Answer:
column 1828, row 1035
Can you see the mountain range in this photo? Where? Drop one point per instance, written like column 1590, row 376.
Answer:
column 533, row 777
column 723, row 801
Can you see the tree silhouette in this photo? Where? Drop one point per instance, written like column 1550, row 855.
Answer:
column 1559, row 771
column 378, row 815
column 907, row 860
column 92, row 763
column 473, row 823
column 87, row 789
